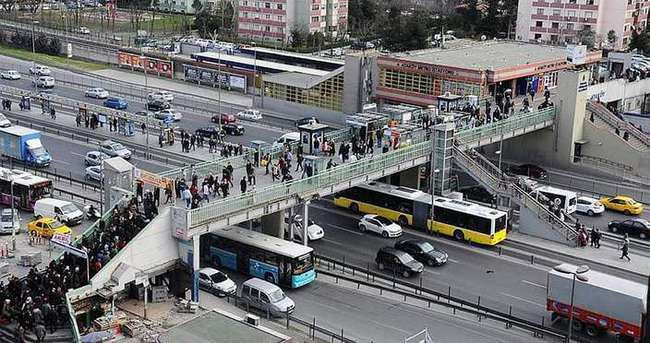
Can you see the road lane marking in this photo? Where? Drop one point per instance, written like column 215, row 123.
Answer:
column 345, row 229
column 524, row 300
column 452, row 260
column 333, row 242
column 77, row 154
column 533, row 284
column 431, row 272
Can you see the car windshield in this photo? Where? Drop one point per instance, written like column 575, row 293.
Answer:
column 6, row 217
column 218, row 277
column 56, row 224
column 426, row 247
column 405, row 258
column 276, row 295
column 117, row 147
column 69, row 208
column 383, row 220
column 38, row 151
column 2, row 117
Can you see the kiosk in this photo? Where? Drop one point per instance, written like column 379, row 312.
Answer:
column 261, row 148
column 310, row 133
column 363, row 123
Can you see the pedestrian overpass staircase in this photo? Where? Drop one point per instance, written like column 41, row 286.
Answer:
column 535, row 218
column 603, row 118
column 276, row 197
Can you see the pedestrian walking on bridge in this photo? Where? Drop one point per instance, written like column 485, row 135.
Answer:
column 625, row 248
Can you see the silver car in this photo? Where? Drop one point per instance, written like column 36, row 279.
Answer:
column 94, row 173
column 114, row 149
column 95, row 158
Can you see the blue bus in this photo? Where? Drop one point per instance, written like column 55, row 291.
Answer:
column 266, row 257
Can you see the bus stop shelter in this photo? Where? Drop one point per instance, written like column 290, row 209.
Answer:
column 362, row 123
column 309, row 133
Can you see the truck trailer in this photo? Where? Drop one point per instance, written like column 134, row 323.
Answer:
column 601, row 302
column 25, row 145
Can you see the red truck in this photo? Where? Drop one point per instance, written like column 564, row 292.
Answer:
column 601, row 302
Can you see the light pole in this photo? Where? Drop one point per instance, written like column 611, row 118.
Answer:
column 219, row 89
column 34, row 22
column 434, row 171
column 143, row 58
column 575, row 273
column 500, row 152
column 254, row 73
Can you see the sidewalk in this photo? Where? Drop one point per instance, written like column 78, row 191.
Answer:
column 607, row 255
column 138, row 79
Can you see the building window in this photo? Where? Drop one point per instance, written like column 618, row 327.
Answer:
column 557, row 12
column 406, row 81
column 554, row 38
column 590, row 2
column 314, row 19
column 267, row 28
column 267, row 16
column 279, row 18
column 538, row 24
column 572, row 1
column 572, row 13
column 538, row 36
column 279, row 6
column 315, row 7
column 589, row 14
column 569, row 27
column 555, row 25
column 540, row 11
column 267, row 5
column 244, row 3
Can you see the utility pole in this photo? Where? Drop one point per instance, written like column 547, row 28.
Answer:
column 143, row 58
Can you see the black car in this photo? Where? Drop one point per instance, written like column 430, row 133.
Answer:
column 422, row 251
column 233, row 129
column 207, row 132
column 307, row 120
column 530, row 170
column 156, row 105
column 637, row 227
column 398, row 261
column 478, row 193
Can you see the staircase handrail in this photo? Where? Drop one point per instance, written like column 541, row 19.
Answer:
column 610, row 118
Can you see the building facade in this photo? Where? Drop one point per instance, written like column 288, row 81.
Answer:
column 272, row 20
column 559, row 21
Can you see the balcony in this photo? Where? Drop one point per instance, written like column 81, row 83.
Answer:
column 557, row 5
column 572, row 19
column 539, row 16
column 556, row 18
column 572, row 6
column 537, row 29
column 540, row 4
column 553, row 30
column 589, row 7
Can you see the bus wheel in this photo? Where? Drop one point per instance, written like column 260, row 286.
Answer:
column 578, row 325
column 354, row 207
column 402, row 221
column 459, row 236
column 592, row 330
column 269, row 277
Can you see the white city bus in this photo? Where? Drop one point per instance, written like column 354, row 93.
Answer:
column 568, row 199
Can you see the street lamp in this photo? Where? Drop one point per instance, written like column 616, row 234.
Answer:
column 34, row 22
column 254, row 72
column 434, row 171
column 576, row 272
column 143, row 58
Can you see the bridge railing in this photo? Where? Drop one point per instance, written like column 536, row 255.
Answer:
column 606, row 115
column 505, row 126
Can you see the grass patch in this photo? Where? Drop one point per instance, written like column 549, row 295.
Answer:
column 49, row 60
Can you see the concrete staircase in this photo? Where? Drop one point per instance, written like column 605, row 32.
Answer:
column 603, row 118
column 535, row 218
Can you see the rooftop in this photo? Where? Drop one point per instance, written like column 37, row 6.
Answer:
column 260, row 64
column 490, row 55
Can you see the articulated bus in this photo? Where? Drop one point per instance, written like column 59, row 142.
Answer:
column 28, row 188
column 460, row 219
column 266, row 257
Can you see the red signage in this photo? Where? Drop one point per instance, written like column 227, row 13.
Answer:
column 153, row 65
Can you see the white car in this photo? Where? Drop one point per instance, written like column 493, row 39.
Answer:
column 381, row 225
column 314, row 231
column 589, row 206
column 95, row 158
column 161, row 96
column 216, row 282
column 44, row 82
column 10, row 75
column 94, row 173
column 170, row 112
column 97, row 93
column 40, row 70
column 250, row 114
column 9, row 222
column 84, row 30
column 4, row 122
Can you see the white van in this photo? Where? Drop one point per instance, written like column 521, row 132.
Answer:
column 568, row 199
column 287, row 138
column 62, row 210
column 265, row 296
column 9, row 222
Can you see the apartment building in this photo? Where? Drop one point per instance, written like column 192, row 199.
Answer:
column 272, row 20
column 559, row 21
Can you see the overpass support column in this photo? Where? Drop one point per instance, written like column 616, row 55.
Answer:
column 444, row 143
column 408, row 178
column 195, row 268
column 273, row 224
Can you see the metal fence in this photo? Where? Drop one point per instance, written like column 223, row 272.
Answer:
column 503, row 127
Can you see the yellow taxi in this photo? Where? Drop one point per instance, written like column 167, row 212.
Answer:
column 623, row 204
column 47, row 227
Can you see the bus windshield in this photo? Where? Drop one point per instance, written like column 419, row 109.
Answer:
column 302, row 264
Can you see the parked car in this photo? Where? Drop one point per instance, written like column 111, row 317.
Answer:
column 161, row 96
column 621, row 203
column 233, row 129
column 116, row 103
column 226, row 118
column 207, row 132
column 422, row 251
column 381, row 225
column 637, row 227
column 97, row 93
column 9, row 221
column 94, row 173
column 95, row 158
column 157, row 105
column 44, row 82
column 250, row 114
column 40, row 70
column 4, row 122
column 307, row 120
column 265, row 296
column 114, row 149
column 62, row 210
column 84, row 30
column 589, row 206
column 47, row 227
column 478, row 193
column 529, row 170
column 398, row 261
column 216, row 282
column 10, row 75
column 314, row 231
column 170, row 112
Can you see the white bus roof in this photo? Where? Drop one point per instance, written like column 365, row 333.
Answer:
column 265, row 242
column 414, row 194
column 18, row 130
column 558, row 191
column 22, row 177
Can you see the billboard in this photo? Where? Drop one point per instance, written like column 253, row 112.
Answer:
column 153, row 66
column 213, row 78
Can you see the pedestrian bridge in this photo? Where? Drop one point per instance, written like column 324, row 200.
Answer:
column 275, row 197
